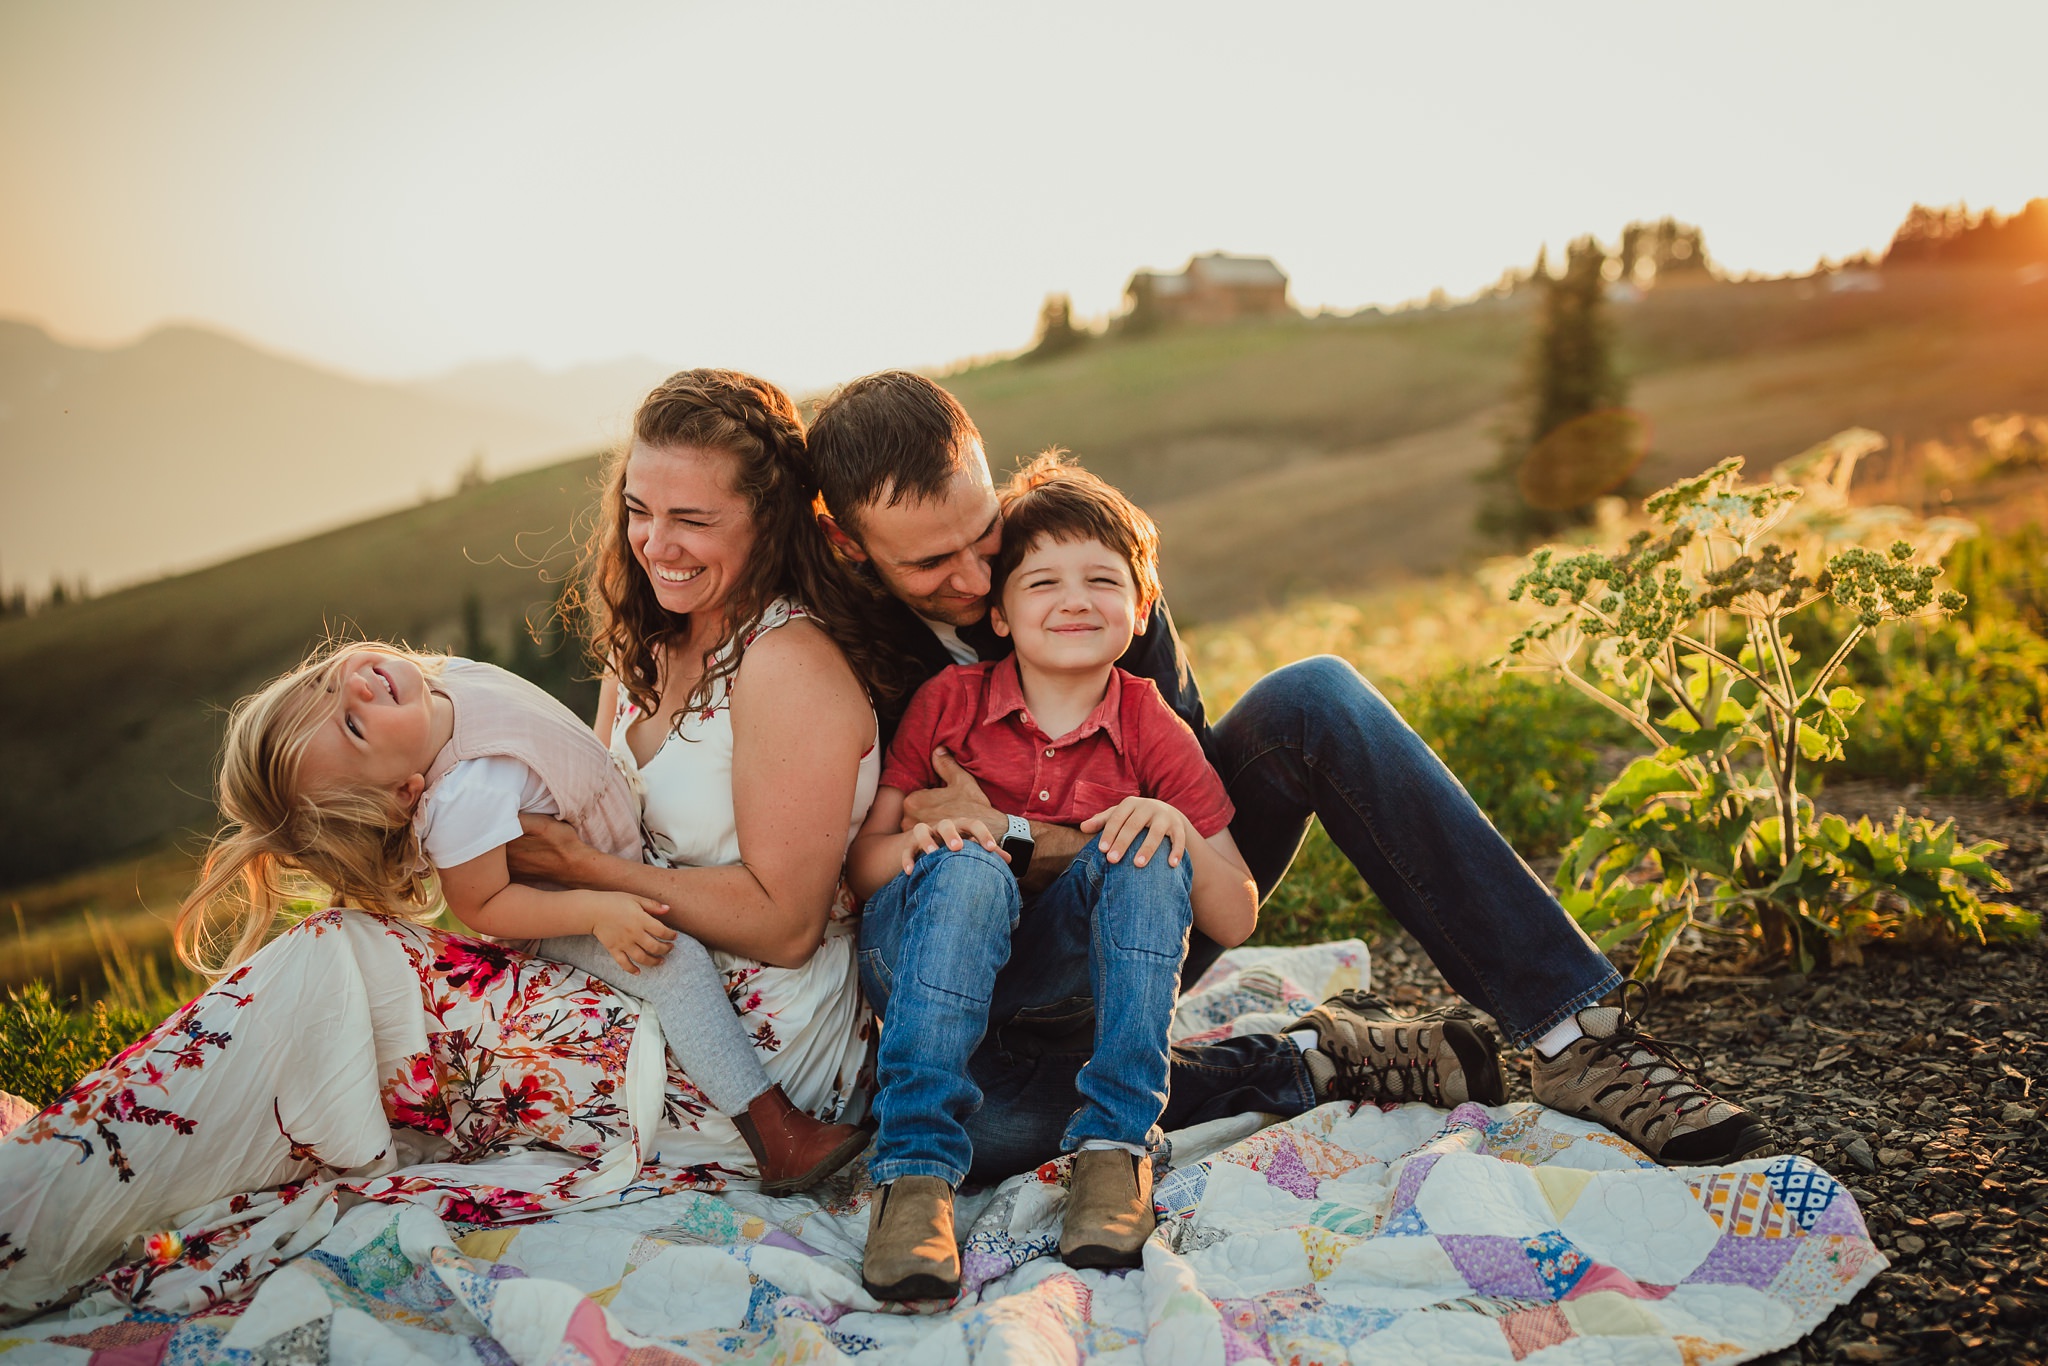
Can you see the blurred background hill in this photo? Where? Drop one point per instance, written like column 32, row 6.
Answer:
column 1284, row 457
column 190, row 445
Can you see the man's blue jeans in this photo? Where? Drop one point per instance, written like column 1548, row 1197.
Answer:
column 1316, row 739
column 933, row 948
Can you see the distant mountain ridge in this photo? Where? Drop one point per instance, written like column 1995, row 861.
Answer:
column 594, row 401
column 189, row 447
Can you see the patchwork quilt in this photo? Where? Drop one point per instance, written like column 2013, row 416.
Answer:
column 1342, row 1235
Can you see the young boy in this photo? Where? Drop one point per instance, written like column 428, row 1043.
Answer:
column 1055, row 733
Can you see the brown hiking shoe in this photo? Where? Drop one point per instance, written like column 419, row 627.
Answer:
column 1441, row 1058
column 1109, row 1210
column 911, row 1252
column 1622, row 1078
column 793, row 1150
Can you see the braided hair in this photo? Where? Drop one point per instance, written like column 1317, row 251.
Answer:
column 754, row 422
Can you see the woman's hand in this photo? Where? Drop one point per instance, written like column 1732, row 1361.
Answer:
column 1149, row 816
column 630, row 929
column 925, row 839
column 549, row 851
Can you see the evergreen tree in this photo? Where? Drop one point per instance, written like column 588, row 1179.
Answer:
column 1057, row 334
column 1570, row 375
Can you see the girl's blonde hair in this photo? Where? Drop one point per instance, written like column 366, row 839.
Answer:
column 282, row 842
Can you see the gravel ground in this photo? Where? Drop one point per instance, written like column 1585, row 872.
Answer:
column 1919, row 1078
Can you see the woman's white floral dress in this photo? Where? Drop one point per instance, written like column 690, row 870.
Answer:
column 359, row 1057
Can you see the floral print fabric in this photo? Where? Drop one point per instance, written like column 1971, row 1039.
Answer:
column 355, row 1058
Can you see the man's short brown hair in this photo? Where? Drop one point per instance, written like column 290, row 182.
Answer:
column 1054, row 499
column 885, row 438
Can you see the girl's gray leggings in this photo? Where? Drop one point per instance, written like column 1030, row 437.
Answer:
column 686, row 991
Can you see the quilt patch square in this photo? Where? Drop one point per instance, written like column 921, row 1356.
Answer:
column 1529, row 1331
column 1559, row 1265
column 1492, row 1265
column 1802, row 1188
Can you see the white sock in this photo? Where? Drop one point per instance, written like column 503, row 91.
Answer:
column 1305, row 1039
column 1097, row 1145
column 1560, row 1038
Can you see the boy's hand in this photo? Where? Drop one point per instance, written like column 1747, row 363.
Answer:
column 1134, row 816
column 924, row 839
column 630, row 929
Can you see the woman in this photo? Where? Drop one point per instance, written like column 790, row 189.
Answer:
column 360, row 1056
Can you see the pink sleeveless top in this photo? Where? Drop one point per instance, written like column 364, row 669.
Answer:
column 501, row 715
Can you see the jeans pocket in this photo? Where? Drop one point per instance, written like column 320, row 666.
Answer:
column 876, row 980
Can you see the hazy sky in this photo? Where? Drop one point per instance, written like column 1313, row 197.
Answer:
column 816, row 190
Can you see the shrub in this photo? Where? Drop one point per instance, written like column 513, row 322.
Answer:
column 1964, row 712
column 1322, row 897
column 1715, row 820
column 1529, row 754
column 46, row 1045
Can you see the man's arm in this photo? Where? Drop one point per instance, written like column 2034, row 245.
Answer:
column 1157, row 654
column 960, row 799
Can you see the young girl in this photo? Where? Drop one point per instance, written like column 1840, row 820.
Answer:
column 371, row 768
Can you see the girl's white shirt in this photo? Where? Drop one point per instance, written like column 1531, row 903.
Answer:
column 476, row 807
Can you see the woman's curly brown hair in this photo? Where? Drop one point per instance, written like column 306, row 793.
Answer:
column 755, row 422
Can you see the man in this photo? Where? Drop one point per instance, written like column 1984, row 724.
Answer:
column 908, row 495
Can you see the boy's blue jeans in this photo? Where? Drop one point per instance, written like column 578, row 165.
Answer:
column 934, row 945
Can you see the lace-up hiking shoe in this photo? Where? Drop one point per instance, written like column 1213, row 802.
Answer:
column 1621, row 1077
column 1441, row 1058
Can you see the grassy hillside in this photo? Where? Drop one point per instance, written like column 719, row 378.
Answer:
column 110, row 710
column 1282, row 459
column 1313, row 454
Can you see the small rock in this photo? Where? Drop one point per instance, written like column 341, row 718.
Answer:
column 1949, row 1221
column 1910, row 1245
column 2015, row 1113
column 1867, row 1351
column 1858, row 1151
column 1895, row 1157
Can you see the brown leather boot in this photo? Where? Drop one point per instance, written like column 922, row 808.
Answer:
column 793, row 1150
column 911, row 1252
column 1109, row 1209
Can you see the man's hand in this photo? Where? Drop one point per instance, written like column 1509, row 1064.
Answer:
column 1148, row 816
column 630, row 929
column 960, row 799
column 549, row 851
column 925, row 839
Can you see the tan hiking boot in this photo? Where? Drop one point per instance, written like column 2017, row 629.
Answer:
column 1442, row 1058
column 793, row 1150
column 911, row 1252
column 1109, row 1210
column 1622, row 1078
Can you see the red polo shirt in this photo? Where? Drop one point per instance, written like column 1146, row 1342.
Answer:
column 1131, row 745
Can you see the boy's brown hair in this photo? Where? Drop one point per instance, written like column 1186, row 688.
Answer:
column 1053, row 498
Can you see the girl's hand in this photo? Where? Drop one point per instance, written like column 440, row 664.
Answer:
column 925, row 839
column 1134, row 816
column 630, row 929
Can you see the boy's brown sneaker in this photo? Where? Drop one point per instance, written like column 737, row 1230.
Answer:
column 1441, row 1058
column 1622, row 1078
column 1109, row 1210
column 911, row 1252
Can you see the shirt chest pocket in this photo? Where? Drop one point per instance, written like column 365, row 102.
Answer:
column 1092, row 799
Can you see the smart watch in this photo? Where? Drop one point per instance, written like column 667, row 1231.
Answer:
column 1018, row 844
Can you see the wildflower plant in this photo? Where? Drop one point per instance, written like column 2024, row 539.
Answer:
column 1683, row 634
